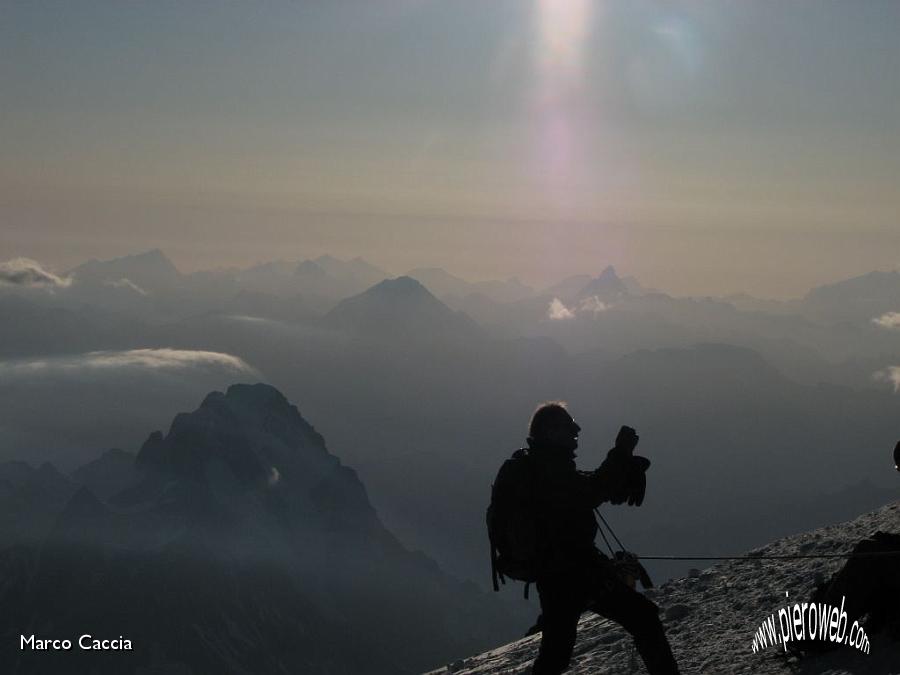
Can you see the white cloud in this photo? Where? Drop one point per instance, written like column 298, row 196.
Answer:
column 149, row 359
column 246, row 318
column 126, row 283
column 593, row 304
column 891, row 374
column 558, row 311
column 27, row 272
column 888, row 320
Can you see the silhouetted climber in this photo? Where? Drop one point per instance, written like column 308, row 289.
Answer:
column 542, row 527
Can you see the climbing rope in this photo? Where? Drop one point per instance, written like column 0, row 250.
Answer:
column 748, row 557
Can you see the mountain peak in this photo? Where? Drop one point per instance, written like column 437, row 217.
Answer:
column 257, row 396
column 250, row 429
column 400, row 286
column 310, row 268
column 397, row 307
column 148, row 270
column 607, row 286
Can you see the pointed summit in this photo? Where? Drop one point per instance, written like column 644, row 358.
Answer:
column 400, row 286
column 607, row 287
column 399, row 308
column 250, row 430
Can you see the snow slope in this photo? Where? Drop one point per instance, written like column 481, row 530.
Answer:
column 711, row 617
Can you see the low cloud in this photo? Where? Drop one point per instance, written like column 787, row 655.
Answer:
column 128, row 284
column 29, row 273
column 558, row 311
column 592, row 305
column 891, row 375
column 888, row 320
column 148, row 359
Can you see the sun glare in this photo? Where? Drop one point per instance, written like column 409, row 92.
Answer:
column 562, row 31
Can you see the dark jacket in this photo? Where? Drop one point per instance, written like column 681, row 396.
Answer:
column 564, row 500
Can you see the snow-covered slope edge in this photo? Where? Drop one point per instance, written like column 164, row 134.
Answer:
column 711, row 617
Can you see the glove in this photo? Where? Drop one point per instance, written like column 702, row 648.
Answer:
column 626, row 472
column 636, row 479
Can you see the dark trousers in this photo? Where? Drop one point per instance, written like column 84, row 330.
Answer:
column 594, row 586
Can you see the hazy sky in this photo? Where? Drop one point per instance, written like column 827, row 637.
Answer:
column 703, row 147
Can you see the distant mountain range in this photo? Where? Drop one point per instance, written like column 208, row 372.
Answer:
column 424, row 384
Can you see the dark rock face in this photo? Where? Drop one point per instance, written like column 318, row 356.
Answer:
column 236, row 544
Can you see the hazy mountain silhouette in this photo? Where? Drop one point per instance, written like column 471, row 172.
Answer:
column 248, row 547
column 358, row 272
column 861, row 298
column 448, row 286
column 150, row 271
column 440, row 282
column 30, row 500
column 450, row 393
column 607, row 287
column 568, row 287
column 268, row 277
column 400, row 308
column 110, row 473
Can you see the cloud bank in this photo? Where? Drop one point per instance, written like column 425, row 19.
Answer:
column 148, row 359
column 29, row 273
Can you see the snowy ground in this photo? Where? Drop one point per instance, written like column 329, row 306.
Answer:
column 711, row 617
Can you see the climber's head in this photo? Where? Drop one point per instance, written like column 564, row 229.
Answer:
column 553, row 427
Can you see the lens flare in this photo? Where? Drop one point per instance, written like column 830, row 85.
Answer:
column 563, row 29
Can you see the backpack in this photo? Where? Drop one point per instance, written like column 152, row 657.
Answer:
column 512, row 522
